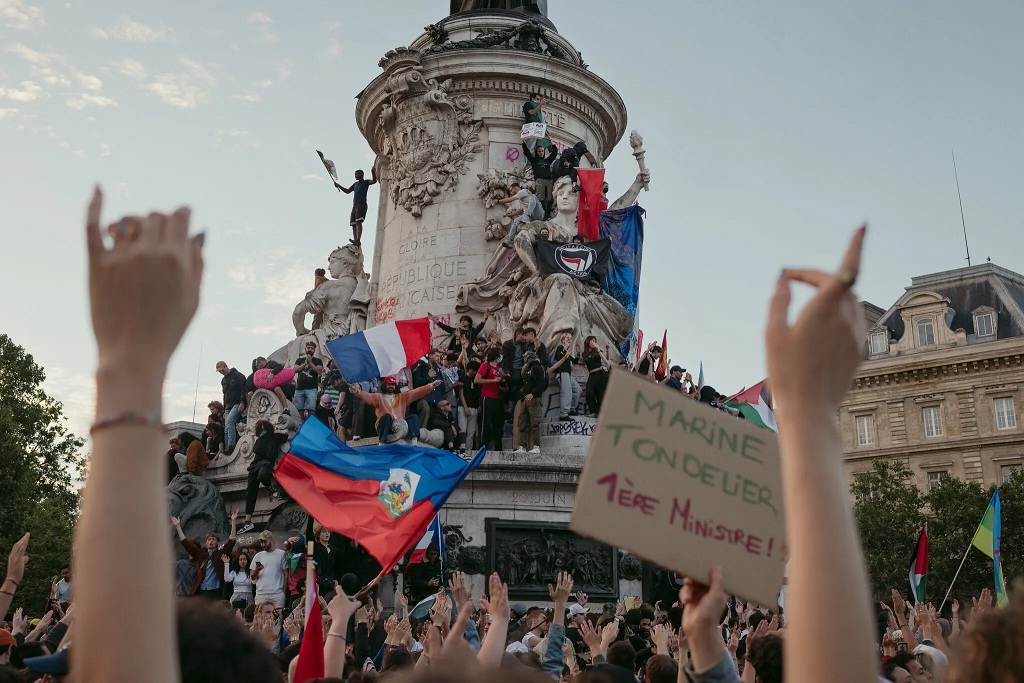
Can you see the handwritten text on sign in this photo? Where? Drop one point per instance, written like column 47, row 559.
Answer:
column 686, row 486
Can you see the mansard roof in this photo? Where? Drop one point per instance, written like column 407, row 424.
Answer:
column 966, row 290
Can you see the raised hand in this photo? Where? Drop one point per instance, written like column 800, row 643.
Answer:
column 734, row 640
column 609, row 633
column 660, row 635
column 144, row 290
column 460, row 592
column 19, row 622
column 582, row 598
column 591, row 637
column 812, row 360
column 17, row 559
column 560, row 591
column 899, row 604
column 175, row 522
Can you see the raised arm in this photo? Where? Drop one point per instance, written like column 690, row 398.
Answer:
column 16, row 562
column 144, row 292
column 341, row 609
column 554, row 656
column 810, row 367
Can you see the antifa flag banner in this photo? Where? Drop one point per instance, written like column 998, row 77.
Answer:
column 592, row 202
column 625, row 229
column 581, row 261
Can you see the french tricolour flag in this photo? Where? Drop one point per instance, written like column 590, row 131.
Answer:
column 433, row 535
column 382, row 350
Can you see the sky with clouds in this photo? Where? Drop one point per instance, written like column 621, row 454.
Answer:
column 772, row 130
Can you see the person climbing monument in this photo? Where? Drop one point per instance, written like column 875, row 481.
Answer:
column 360, row 188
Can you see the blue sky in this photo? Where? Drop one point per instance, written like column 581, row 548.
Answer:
column 772, row 130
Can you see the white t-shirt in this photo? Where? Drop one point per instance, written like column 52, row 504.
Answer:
column 523, row 199
column 271, row 578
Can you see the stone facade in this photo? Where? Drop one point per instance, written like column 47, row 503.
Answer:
column 438, row 119
column 940, row 385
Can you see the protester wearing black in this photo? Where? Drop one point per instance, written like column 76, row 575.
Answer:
column 534, row 382
column 441, row 418
column 597, row 366
column 423, row 373
column 675, row 381
column 232, row 385
column 567, row 163
column 541, row 165
column 466, row 327
column 261, row 469
column 425, row 576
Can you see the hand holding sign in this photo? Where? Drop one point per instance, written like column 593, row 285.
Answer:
column 704, row 488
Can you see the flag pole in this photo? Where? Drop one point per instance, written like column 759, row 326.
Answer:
column 955, row 577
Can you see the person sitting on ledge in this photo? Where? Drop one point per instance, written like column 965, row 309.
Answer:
column 441, row 430
column 391, row 407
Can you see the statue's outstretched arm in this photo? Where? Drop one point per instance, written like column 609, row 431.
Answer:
column 633, row 192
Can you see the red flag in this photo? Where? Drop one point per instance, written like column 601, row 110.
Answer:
column 659, row 369
column 592, row 202
column 311, row 652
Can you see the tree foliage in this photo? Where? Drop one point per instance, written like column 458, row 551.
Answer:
column 889, row 517
column 39, row 456
column 890, row 511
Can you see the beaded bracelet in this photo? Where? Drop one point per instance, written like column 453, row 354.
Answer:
column 127, row 419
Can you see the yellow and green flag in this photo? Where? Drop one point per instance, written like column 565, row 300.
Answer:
column 987, row 538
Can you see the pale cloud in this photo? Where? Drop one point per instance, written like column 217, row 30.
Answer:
column 186, row 89
column 265, row 83
column 84, row 100
column 332, row 50
column 278, row 276
column 247, row 97
column 334, row 25
column 236, row 140
column 89, row 82
column 20, row 15
column 43, row 64
column 313, row 176
column 264, row 26
column 284, row 68
column 105, row 149
column 130, row 31
column 8, row 111
column 131, row 68
column 26, row 91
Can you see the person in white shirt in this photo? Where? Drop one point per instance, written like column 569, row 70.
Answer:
column 268, row 571
column 62, row 589
column 236, row 572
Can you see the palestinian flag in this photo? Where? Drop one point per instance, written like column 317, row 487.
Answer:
column 755, row 405
column 919, row 567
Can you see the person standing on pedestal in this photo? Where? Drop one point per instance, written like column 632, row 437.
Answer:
column 533, row 113
column 359, row 206
column 535, row 381
column 233, row 388
column 541, row 165
column 569, row 388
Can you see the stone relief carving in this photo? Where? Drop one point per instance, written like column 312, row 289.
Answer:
column 429, row 133
column 631, row 567
column 472, row 559
column 196, row 502
column 529, row 36
column 492, row 186
column 528, row 556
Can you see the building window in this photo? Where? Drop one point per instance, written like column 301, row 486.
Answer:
column 935, row 478
column 925, row 332
column 984, row 325
column 1006, row 471
column 865, row 430
column 1006, row 418
column 932, row 416
column 878, row 343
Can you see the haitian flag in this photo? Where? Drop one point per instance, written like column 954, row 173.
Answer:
column 384, row 497
column 581, row 261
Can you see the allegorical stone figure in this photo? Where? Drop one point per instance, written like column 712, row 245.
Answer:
column 525, row 6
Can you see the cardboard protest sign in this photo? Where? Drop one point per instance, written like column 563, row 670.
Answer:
column 686, row 486
column 533, row 130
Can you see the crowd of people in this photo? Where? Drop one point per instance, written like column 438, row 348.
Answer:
column 245, row 620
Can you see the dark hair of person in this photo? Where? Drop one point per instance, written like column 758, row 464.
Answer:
column 589, row 352
column 321, row 272
column 472, row 365
column 534, row 95
column 396, row 659
column 529, row 330
column 622, row 654
column 662, row 669
column 263, row 424
column 26, row 651
column 467, row 319
column 234, row 655
column 452, row 357
column 234, row 560
column 493, row 354
column 765, row 655
column 185, row 439
column 284, row 659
